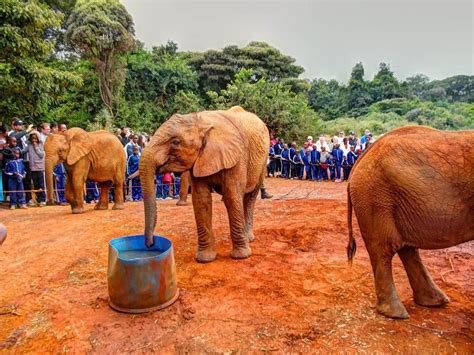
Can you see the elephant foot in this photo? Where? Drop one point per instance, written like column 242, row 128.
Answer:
column 100, row 206
column 77, row 210
column 50, row 203
column 431, row 298
column 395, row 309
column 241, row 253
column 181, row 203
column 250, row 236
column 205, row 255
column 118, row 206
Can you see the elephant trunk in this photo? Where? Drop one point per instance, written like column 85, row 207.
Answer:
column 147, row 169
column 49, row 166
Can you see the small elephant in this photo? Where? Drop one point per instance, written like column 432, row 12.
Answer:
column 97, row 156
column 225, row 151
column 411, row 190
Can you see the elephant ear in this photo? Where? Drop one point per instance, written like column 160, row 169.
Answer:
column 80, row 144
column 222, row 144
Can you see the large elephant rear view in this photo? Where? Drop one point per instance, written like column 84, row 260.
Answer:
column 225, row 151
column 412, row 189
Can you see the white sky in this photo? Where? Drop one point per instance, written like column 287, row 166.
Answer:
column 326, row 37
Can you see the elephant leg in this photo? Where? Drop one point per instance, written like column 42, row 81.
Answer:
column 235, row 209
column 69, row 193
column 249, row 206
column 425, row 291
column 78, row 192
column 202, row 204
column 103, row 202
column 118, row 196
column 183, row 189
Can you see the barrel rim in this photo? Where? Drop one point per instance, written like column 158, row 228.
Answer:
column 158, row 239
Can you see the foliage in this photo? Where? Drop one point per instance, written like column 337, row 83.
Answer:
column 327, row 98
column 358, row 95
column 217, row 68
column 385, row 85
column 29, row 80
column 286, row 113
column 103, row 31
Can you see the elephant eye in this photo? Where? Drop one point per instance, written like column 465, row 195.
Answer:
column 175, row 141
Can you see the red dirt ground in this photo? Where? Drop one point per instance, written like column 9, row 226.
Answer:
column 296, row 293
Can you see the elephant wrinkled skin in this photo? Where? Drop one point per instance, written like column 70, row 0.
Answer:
column 412, row 189
column 97, row 156
column 223, row 150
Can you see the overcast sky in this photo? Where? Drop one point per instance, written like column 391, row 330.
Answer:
column 326, row 37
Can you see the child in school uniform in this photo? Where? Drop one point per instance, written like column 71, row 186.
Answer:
column 159, row 186
column 59, row 173
column 132, row 167
column 332, row 168
column 345, row 168
column 92, row 192
column 166, row 186
column 315, row 164
column 297, row 167
column 285, row 157
column 307, row 164
column 271, row 162
column 351, row 159
column 338, row 155
column 325, row 158
column 15, row 171
column 176, row 185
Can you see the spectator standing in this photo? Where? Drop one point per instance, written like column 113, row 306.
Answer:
column 307, row 164
column 338, row 155
column 176, row 185
column 59, row 173
column 166, row 186
column 45, row 132
column 352, row 138
column 62, row 128
column 54, row 128
column 340, row 137
column 322, row 143
column 285, row 161
column 363, row 139
column 159, row 186
column 293, row 171
column 278, row 148
column 271, row 161
column 36, row 160
column 15, row 171
column 315, row 164
column 324, row 161
column 345, row 146
column 132, row 167
column 351, row 159
column 92, row 192
column 130, row 146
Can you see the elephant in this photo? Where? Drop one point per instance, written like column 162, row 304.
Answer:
column 97, row 156
column 223, row 150
column 412, row 189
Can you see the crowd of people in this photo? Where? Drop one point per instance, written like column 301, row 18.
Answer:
column 22, row 167
column 317, row 161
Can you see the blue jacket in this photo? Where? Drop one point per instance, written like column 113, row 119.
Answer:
column 271, row 152
column 306, row 160
column 59, row 170
column 285, row 153
column 297, row 159
column 292, row 153
column 132, row 164
column 315, row 156
column 338, row 155
column 16, row 166
column 277, row 148
column 351, row 158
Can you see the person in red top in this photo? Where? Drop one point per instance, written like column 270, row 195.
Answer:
column 166, row 186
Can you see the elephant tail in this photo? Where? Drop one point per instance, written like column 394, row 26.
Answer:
column 352, row 246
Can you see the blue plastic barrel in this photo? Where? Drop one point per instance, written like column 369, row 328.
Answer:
column 141, row 279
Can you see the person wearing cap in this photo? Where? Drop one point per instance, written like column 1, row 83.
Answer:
column 352, row 138
column 20, row 134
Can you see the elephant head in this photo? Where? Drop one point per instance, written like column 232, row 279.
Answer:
column 68, row 148
column 205, row 143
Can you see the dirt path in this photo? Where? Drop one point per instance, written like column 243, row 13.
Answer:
column 296, row 293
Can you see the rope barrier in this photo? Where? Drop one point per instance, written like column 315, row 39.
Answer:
column 87, row 188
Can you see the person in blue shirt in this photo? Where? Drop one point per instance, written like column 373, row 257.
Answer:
column 297, row 167
column 338, row 155
column 271, row 165
column 130, row 146
column 278, row 148
column 307, row 164
column 159, row 186
column 285, row 157
column 332, row 168
column 176, row 185
column 351, row 159
column 315, row 165
column 293, row 171
column 132, row 167
column 92, row 192
column 59, row 173
column 15, row 171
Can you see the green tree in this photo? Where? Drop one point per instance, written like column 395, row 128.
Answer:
column 358, row 95
column 384, row 85
column 216, row 69
column 29, row 79
column 103, row 31
column 282, row 110
column 417, row 85
column 327, row 98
